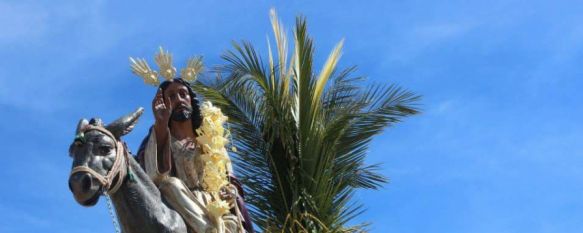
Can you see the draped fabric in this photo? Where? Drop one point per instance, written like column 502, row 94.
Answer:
column 184, row 192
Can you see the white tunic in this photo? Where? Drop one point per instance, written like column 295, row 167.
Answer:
column 185, row 193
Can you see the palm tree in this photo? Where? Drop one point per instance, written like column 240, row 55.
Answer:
column 302, row 137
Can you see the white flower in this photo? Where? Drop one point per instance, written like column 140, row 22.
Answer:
column 218, row 208
column 213, row 141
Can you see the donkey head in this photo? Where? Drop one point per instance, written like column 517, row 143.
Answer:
column 96, row 150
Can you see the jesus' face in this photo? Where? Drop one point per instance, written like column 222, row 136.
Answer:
column 180, row 101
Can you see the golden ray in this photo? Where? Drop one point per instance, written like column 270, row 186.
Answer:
column 193, row 67
column 164, row 61
column 141, row 68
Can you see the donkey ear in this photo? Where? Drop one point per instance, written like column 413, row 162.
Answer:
column 82, row 123
column 125, row 124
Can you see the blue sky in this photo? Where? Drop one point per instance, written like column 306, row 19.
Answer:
column 498, row 148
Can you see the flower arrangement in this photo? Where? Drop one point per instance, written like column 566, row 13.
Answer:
column 213, row 138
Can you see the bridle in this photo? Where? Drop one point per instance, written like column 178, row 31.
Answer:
column 119, row 167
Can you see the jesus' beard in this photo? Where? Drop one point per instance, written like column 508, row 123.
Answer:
column 181, row 114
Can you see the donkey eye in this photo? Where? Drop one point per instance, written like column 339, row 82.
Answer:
column 104, row 150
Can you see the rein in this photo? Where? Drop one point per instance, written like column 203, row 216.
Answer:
column 119, row 167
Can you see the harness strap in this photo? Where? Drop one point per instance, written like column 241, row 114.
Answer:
column 117, row 169
column 102, row 180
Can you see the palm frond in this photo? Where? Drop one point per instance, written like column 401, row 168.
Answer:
column 302, row 138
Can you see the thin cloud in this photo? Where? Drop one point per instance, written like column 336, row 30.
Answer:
column 415, row 41
column 21, row 22
column 52, row 72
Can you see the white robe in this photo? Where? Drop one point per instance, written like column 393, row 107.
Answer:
column 184, row 193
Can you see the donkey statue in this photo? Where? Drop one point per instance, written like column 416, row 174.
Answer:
column 103, row 165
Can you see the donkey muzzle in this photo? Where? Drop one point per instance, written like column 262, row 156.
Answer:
column 84, row 188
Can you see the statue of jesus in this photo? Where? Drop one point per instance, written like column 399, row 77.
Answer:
column 171, row 157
